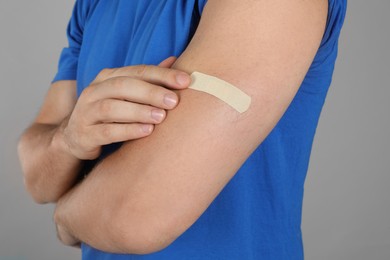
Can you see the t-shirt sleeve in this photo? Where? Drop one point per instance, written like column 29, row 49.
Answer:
column 326, row 56
column 69, row 57
column 201, row 4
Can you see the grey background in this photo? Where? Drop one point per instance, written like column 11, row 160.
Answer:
column 346, row 211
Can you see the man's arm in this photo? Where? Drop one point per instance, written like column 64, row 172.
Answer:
column 49, row 170
column 67, row 132
column 142, row 205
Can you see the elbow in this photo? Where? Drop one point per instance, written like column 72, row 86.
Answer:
column 146, row 228
column 145, row 246
column 34, row 189
column 142, row 237
column 143, row 242
column 39, row 188
column 31, row 179
column 37, row 194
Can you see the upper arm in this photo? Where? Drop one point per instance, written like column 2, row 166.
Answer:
column 62, row 95
column 58, row 103
column 168, row 179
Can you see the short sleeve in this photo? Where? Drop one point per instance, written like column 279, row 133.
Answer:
column 201, row 4
column 68, row 61
column 327, row 53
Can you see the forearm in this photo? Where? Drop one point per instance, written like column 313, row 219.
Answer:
column 95, row 220
column 49, row 169
column 143, row 204
column 139, row 205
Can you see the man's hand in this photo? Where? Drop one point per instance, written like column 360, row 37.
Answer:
column 118, row 106
column 121, row 105
column 151, row 190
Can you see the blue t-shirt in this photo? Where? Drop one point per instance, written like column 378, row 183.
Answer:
column 258, row 214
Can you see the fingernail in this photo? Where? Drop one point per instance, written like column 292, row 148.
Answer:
column 147, row 128
column 170, row 100
column 183, row 79
column 157, row 115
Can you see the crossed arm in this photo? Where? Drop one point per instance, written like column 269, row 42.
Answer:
column 146, row 194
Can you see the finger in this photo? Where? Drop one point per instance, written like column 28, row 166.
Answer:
column 168, row 62
column 120, row 111
column 133, row 90
column 112, row 133
column 170, row 78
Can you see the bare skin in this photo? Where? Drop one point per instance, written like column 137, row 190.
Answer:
column 145, row 195
column 151, row 190
column 113, row 108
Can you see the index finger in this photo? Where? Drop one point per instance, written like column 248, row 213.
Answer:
column 170, row 78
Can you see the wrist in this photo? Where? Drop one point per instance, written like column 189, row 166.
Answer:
column 59, row 144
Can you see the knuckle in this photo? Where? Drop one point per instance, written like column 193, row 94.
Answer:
column 118, row 82
column 86, row 93
column 104, row 73
column 107, row 132
column 140, row 70
column 105, row 107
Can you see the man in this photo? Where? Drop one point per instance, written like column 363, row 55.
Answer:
column 193, row 179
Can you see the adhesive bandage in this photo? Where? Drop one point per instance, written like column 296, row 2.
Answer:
column 221, row 89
